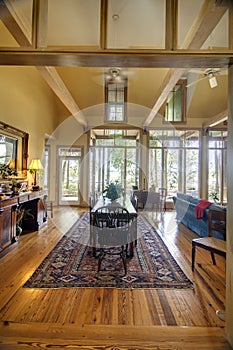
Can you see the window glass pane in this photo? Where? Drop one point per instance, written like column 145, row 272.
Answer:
column 174, row 161
column 115, row 102
column 120, row 112
column 75, row 152
column 192, row 172
column 155, row 168
column 174, row 111
column 217, row 166
column 178, row 104
column 111, row 96
column 112, row 87
column 120, row 96
column 172, row 166
column 131, row 168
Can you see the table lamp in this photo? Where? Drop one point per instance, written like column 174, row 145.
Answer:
column 34, row 167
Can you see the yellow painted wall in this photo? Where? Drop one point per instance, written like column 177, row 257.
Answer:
column 27, row 103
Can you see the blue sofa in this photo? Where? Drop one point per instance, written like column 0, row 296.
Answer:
column 185, row 206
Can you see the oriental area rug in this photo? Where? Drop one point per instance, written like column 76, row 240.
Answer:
column 71, row 263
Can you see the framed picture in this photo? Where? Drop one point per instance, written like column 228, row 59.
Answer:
column 14, row 148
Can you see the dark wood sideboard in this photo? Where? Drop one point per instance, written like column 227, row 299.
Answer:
column 32, row 201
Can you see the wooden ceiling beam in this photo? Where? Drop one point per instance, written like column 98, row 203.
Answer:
column 171, row 24
column 219, row 118
column 207, row 19
column 18, row 28
column 120, row 58
column 103, row 23
column 40, row 23
column 54, row 80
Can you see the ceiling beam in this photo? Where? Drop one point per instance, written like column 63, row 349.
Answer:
column 17, row 26
column 40, row 24
column 220, row 118
column 54, row 80
column 103, row 23
column 21, row 31
column 171, row 24
column 120, row 58
column 209, row 16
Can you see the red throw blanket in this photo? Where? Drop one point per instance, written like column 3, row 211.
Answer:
column 200, row 207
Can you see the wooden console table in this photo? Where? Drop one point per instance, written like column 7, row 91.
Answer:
column 32, row 201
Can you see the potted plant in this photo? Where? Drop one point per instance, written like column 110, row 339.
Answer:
column 113, row 190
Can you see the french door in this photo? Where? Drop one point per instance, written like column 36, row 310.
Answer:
column 110, row 164
column 69, row 175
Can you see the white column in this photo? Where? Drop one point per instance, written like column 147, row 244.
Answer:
column 229, row 263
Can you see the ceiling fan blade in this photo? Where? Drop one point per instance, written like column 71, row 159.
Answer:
column 197, row 71
column 195, row 82
column 223, row 72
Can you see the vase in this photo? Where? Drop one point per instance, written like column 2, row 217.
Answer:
column 19, row 230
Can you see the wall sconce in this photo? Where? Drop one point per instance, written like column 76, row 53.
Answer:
column 34, row 167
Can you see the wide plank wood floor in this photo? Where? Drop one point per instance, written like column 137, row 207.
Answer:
column 30, row 314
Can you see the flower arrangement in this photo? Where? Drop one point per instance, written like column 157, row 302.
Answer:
column 113, row 190
column 6, row 171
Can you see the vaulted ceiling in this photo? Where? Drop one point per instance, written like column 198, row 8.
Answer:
column 154, row 43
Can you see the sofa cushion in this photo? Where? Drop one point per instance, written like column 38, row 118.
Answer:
column 184, row 196
column 194, row 200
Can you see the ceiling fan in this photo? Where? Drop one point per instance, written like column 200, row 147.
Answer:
column 114, row 74
column 210, row 74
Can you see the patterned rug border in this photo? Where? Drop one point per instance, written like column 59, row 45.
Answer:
column 172, row 278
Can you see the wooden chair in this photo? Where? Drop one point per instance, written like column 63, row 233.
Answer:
column 48, row 206
column 216, row 222
column 152, row 201
column 134, row 201
column 163, row 196
column 113, row 232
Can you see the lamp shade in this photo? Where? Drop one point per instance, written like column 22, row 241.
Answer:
column 35, row 164
column 213, row 82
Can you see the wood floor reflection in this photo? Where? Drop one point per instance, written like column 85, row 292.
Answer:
column 111, row 307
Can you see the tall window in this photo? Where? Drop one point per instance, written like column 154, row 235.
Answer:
column 116, row 98
column 174, row 160
column 176, row 103
column 114, row 156
column 217, row 166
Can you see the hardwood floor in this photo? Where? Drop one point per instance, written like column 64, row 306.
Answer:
column 135, row 319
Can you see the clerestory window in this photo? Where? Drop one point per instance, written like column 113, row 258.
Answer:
column 115, row 99
column 175, row 110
